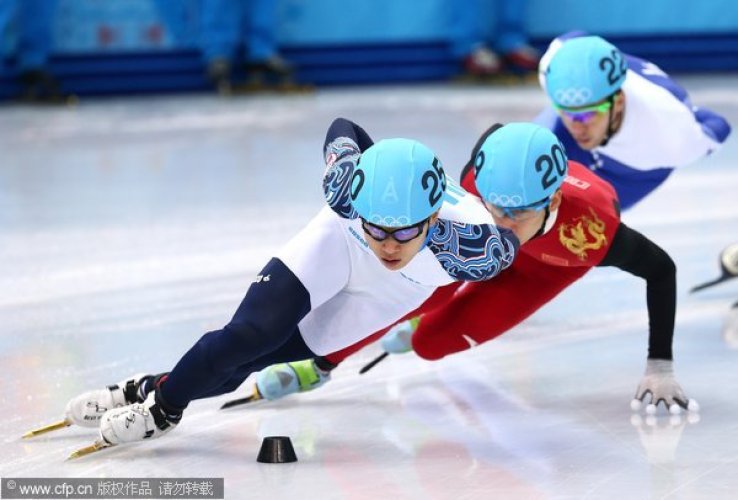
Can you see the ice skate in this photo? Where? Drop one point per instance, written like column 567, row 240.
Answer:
column 728, row 268
column 132, row 423
column 280, row 380
column 87, row 409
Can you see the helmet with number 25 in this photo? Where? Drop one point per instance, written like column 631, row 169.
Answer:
column 397, row 183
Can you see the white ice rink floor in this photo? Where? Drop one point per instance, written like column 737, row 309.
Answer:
column 129, row 227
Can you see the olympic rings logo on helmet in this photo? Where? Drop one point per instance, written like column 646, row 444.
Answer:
column 584, row 70
column 389, row 221
column 573, row 97
column 504, row 200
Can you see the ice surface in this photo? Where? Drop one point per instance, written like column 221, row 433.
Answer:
column 130, row 227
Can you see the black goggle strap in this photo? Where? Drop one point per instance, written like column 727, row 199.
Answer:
column 543, row 224
column 610, row 130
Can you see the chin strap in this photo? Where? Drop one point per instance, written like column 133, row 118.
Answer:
column 431, row 229
column 548, row 222
column 610, row 129
column 542, row 229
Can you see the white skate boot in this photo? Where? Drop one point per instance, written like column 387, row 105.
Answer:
column 136, row 422
column 87, row 409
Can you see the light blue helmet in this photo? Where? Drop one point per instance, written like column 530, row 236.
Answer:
column 520, row 165
column 397, row 183
column 583, row 71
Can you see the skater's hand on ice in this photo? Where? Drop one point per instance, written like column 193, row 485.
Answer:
column 398, row 339
column 660, row 386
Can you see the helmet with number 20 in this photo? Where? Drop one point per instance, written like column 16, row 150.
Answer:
column 520, row 165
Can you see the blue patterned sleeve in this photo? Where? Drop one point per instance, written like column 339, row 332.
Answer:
column 344, row 142
column 473, row 252
column 341, row 156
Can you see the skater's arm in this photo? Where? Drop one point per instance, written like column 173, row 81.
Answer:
column 636, row 254
column 473, row 252
column 344, row 143
column 343, row 128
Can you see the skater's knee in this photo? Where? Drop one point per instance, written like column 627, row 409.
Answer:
column 427, row 350
column 254, row 335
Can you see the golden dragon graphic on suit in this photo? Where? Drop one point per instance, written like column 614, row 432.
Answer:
column 584, row 233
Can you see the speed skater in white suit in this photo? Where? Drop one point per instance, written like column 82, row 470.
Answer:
column 394, row 230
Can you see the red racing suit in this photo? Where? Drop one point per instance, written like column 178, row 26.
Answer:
column 461, row 315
